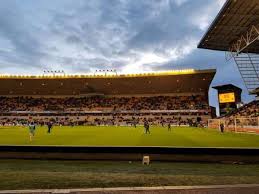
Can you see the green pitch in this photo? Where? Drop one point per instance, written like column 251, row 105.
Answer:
column 126, row 136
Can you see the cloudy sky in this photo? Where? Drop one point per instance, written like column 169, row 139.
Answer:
column 80, row 36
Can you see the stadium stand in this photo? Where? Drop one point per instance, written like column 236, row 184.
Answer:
column 244, row 119
column 103, row 103
column 122, row 109
column 235, row 30
column 106, row 100
column 248, row 110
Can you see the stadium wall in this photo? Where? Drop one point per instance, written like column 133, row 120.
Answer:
column 226, row 155
column 237, row 125
column 99, row 94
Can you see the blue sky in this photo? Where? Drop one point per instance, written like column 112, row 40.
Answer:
column 80, row 36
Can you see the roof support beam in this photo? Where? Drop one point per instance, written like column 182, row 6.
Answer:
column 243, row 42
column 248, row 66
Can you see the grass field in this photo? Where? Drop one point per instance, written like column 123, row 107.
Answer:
column 32, row 174
column 127, row 136
column 36, row 174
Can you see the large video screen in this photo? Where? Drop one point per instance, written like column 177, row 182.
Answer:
column 227, row 97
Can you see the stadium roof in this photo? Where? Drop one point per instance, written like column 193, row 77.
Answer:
column 234, row 20
column 177, row 81
column 255, row 91
column 227, row 87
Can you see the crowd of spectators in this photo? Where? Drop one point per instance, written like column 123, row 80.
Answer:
column 102, row 121
column 71, row 111
column 248, row 110
column 246, row 115
column 103, row 103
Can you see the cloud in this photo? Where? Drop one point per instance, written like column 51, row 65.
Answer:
column 203, row 18
column 119, row 31
column 180, row 2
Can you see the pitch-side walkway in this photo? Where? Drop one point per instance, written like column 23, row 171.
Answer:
column 213, row 189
